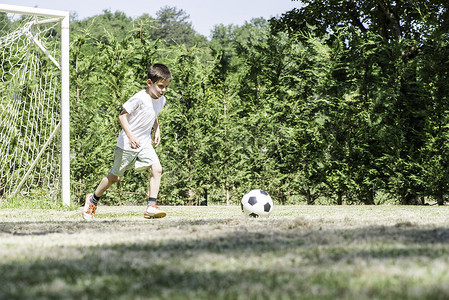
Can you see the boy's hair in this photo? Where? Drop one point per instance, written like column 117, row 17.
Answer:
column 158, row 72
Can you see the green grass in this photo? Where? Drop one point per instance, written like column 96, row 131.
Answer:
column 36, row 202
column 299, row 252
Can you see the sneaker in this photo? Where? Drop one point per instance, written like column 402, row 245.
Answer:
column 153, row 211
column 89, row 208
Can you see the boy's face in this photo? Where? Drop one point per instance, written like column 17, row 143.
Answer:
column 157, row 89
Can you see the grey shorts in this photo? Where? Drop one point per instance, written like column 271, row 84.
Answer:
column 139, row 160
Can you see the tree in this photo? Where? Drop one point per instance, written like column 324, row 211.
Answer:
column 104, row 26
column 173, row 26
column 387, row 45
column 339, row 100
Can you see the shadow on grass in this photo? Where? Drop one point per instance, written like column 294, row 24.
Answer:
column 252, row 261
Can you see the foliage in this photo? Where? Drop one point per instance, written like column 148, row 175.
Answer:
column 338, row 100
column 173, row 26
column 341, row 100
column 382, row 51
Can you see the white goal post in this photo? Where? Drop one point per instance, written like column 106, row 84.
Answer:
column 44, row 16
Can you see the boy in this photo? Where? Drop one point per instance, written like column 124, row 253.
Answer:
column 134, row 144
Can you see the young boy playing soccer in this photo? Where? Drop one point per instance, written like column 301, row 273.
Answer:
column 134, row 143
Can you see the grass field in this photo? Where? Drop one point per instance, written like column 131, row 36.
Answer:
column 299, row 252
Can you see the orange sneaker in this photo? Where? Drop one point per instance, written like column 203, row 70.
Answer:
column 89, row 208
column 153, row 211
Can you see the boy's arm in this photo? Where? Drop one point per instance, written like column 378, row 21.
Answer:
column 133, row 141
column 157, row 133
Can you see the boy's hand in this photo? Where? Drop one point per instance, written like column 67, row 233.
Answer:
column 157, row 138
column 134, row 143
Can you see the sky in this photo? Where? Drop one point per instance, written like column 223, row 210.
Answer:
column 204, row 14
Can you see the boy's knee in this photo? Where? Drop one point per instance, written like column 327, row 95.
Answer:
column 113, row 178
column 156, row 170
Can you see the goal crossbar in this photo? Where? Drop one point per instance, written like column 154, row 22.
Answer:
column 24, row 10
column 63, row 17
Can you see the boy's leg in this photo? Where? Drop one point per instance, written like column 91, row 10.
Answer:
column 123, row 160
column 153, row 211
column 155, row 180
column 105, row 183
column 90, row 207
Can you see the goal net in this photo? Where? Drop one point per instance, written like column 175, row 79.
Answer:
column 32, row 150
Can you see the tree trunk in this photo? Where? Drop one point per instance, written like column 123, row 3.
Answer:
column 339, row 198
column 310, row 199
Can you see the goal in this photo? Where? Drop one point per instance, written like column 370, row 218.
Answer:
column 34, row 103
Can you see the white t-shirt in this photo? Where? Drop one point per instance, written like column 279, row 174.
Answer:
column 142, row 112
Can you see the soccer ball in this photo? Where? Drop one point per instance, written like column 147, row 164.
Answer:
column 257, row 203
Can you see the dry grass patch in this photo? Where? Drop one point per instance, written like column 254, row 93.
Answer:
column 300, row 252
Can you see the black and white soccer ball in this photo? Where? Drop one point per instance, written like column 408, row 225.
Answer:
column 257, row 203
